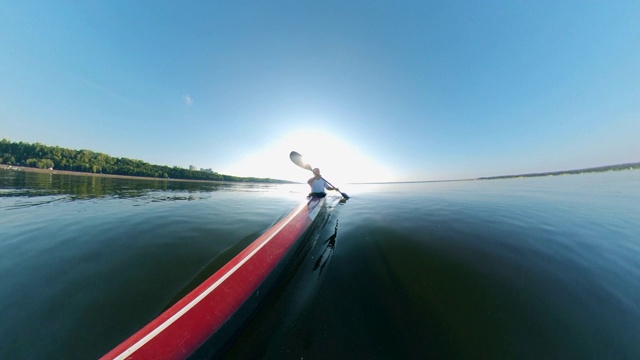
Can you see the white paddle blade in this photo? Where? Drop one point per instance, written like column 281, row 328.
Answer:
column 297, row 159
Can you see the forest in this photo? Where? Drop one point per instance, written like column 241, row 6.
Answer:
column 41, row 156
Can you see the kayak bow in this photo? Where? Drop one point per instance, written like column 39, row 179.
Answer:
column 216, row 310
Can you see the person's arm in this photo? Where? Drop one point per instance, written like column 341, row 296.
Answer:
column 329, row 187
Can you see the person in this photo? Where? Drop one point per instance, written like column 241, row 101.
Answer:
column 318, row 184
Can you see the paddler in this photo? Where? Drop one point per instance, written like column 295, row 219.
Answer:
column 318, row 184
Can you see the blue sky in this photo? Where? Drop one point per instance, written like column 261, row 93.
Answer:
column 368, row 91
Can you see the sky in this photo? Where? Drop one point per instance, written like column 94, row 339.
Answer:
column 367, row 91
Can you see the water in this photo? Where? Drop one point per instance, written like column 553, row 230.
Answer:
column 520, row 268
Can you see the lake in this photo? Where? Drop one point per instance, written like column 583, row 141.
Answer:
column 524, row 268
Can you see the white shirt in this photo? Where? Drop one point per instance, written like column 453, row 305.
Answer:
column 318, row 185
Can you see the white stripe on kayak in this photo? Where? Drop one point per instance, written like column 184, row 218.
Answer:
column 204, row 294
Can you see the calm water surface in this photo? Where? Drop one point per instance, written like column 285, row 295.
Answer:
column 521, row 268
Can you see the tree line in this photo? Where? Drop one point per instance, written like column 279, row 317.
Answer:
column 41, row 156
column 619, row 167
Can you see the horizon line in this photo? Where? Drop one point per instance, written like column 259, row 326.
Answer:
column 603, row 168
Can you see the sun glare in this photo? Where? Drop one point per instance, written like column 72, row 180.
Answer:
column 338, row 161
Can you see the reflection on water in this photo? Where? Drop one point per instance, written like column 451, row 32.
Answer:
column 329, row 248
column 34, row 189
column 32, row 184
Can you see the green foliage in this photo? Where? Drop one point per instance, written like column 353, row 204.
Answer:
column 44, row 157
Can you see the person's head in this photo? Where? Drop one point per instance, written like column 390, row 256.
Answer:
column 316, row 171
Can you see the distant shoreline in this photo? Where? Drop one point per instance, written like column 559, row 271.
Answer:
column 599, row 169
column 129, row 177
column 619, row 167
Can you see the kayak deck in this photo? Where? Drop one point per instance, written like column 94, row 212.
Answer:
column 214, row 311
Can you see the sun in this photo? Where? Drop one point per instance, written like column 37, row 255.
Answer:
column 339, row 162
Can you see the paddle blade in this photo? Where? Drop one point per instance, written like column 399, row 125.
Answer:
column 297, row 159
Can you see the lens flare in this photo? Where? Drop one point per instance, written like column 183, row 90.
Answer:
column 338, row 161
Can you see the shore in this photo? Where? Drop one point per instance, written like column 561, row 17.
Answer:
column 78, row 173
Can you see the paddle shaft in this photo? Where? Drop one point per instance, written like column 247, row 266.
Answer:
column 328, row 183
column 334, row 188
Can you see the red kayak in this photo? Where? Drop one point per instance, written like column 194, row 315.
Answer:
column 204, row 321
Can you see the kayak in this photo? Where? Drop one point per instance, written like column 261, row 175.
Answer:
column 203, row 323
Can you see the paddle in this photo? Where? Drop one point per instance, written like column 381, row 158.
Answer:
column 297, row 159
